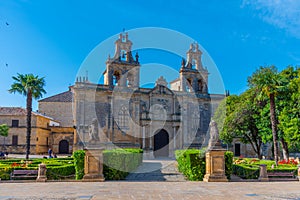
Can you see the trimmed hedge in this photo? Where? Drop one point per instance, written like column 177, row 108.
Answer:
column 228, row 164
column 60, row 172
column 191, row 162
column 119, row 162
column 79, row 163
column 246, row 171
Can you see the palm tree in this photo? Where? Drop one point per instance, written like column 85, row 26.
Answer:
column 268, row 81
column 32, row 87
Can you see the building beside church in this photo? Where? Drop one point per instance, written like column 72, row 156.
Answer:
column 46, row 132
column 160, row 119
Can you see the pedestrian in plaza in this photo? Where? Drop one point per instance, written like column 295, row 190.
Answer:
column 50, row 153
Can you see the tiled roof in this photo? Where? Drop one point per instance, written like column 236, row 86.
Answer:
column 18, row 111
column 62, row 97
column 12, row 111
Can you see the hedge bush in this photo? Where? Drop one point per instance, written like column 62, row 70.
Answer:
column 119, row 162
column 246, row 171
column 191, row 162
column 290, row 169
column 60, row 172
column 79, row 163
column 228, row 164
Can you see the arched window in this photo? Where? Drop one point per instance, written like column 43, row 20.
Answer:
column 123, row 117
column 123, row 55
column 189, row 85
column 200, row 85
column 194, row 63
column 116, row 77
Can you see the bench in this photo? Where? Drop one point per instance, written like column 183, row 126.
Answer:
column 24, row 174
column 282, row 176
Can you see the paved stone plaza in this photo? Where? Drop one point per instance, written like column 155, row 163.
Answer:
column 155, row 179
column 150, row 190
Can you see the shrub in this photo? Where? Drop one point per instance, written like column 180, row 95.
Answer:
column 119, row 162
column 79, row 163
column 60, row 172
column 228, row 163
column 293, row 170
column 5, row 173
column 191, row 163
column 246, row 171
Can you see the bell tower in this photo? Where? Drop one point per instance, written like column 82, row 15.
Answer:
column 122, row 70
column 193, row 76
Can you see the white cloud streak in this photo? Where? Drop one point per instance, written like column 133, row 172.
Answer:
column 284, row 14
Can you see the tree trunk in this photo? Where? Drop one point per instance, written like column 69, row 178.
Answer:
column 285, row 149
column 274, row 126
column 28, row 128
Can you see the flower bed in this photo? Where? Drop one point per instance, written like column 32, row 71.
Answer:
column 248, row 168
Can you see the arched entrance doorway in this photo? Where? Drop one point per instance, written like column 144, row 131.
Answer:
column 63, row 147
column 161, row 144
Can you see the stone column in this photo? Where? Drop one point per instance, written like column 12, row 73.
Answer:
column 263, row 175
column 93, row 165
column 215, row 166
column 42, row 177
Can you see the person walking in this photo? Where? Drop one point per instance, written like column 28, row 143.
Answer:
column 50, row 153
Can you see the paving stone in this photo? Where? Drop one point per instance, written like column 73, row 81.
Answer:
column 157, row 170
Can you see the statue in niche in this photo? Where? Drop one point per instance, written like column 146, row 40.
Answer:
column 214, row 140
column 93, row 131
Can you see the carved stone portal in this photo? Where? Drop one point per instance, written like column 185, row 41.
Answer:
column 93, row 165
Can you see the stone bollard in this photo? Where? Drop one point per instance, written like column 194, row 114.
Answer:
column 263, row 175
column 42, row 177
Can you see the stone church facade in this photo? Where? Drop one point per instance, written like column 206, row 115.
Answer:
column 159, row 120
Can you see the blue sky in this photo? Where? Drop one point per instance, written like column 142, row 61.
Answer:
column 51, row 38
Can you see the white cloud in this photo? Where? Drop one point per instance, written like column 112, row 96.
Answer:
column 284, row 14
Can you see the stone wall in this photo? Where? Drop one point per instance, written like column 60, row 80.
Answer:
column 59, row 111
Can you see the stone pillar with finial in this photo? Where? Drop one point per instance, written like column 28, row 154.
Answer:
column 215, row 158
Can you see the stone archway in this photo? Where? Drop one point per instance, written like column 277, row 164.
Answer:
column 161, row 144
column 63, row 147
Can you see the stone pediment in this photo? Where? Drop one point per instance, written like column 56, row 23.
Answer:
column 159, row 89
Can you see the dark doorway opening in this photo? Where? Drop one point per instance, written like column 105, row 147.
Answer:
column 161, row 144
column 237, row 149
column 63, row 147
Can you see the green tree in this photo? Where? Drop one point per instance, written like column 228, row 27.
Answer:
column 4, row 132
column 32, row 87
column 242, row 120
column 268, row 82
column 289, row 117
column 221, row 117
